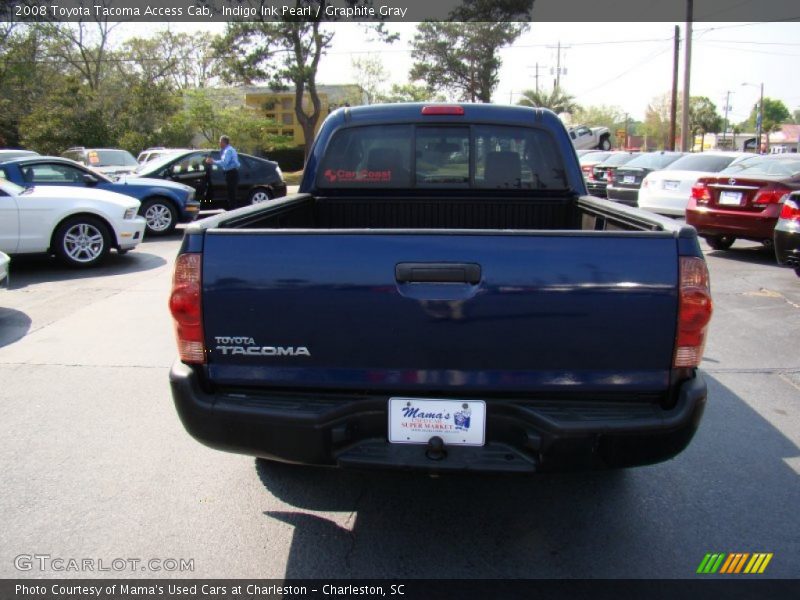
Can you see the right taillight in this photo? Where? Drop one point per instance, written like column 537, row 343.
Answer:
column 791, row 210
column 694, row 312
column 186, row 309
column 700, row 192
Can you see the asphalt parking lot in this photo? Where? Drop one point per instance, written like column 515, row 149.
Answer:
column 95, row 463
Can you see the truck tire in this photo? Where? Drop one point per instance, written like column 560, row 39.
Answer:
column 82, row 241
column 720, row 242
column 605, row 143
column 159, row 215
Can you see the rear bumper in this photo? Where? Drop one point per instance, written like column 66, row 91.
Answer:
column 279, row 189
column 521, row 435
column 597, row 188
column 629, row 196
column 757, row 226
column 787, row 246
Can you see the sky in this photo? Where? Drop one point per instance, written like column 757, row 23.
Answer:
column 618, row 64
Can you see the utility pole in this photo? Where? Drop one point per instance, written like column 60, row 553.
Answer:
column 725, row 127
column 559, row 70
column 536, row 75
column 687, row 72
column 673, row 109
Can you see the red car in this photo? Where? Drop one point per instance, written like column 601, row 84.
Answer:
column 743, row 202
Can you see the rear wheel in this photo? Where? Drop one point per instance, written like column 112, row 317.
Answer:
column 605, row 143
column 259, row 195
column 159, row 215
column 82, row 241
column 720, row 242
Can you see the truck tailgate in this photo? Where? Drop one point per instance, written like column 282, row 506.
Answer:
column 461, row 313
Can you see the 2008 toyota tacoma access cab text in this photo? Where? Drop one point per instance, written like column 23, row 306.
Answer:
column 441, row 295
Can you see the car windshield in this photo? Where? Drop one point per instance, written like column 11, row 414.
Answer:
column 616, row 160
column 12, row 189
column 784, row 167
column 654, row 160
column 111, row 158
column 710, row 163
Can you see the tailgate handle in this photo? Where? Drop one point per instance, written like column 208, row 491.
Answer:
column 438, row 273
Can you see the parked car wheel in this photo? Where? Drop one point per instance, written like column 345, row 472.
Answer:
column 160, row 216
column 720, row 242
column 82, row 241
column 259, row 195
column 605, row 143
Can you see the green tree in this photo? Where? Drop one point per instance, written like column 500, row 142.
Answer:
column 70, row 114
column 703, row 118
column 178, row 60
column 409, row 92
column 657, row 121
column 370, row 74
column 462, row 59
column 280, row 53
column 24, row 76
column 557, row 100
column 612, row 117
column 775, row 115
column 203, row 115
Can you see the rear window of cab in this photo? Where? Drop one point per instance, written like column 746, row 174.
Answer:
column 442, row 156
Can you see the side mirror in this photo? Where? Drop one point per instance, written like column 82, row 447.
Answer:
column 89, row 179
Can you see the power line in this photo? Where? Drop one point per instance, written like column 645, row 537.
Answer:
column 613, row 79
column 748, row 50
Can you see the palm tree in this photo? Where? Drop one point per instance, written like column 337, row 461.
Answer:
column 557, row 100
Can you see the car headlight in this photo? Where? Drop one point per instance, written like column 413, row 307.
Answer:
column 130, row 213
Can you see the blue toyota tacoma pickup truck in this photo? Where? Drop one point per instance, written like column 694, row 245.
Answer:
column 441, row 295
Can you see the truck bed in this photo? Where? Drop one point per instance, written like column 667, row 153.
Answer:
column 565, row 212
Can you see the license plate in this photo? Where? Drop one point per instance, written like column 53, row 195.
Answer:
column 457, row 422
column 730, row 198
column 671, row 185
column 629, row 179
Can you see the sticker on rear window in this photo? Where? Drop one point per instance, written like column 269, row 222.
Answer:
column 363, row 175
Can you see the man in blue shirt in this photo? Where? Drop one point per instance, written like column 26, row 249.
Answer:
column 229, row 162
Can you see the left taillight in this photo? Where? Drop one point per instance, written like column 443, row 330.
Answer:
column 694, row 312
column 791, row 209
column 700, row 192
column 186, row 308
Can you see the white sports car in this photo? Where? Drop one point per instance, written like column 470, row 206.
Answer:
column 78, row 225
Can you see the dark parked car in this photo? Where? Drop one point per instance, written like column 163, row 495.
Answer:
column 603, row 173
column 787, row 233
column 628, row 180
column 743, row 203
column 259, row 179
column 164, row 203
column 108, row 161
